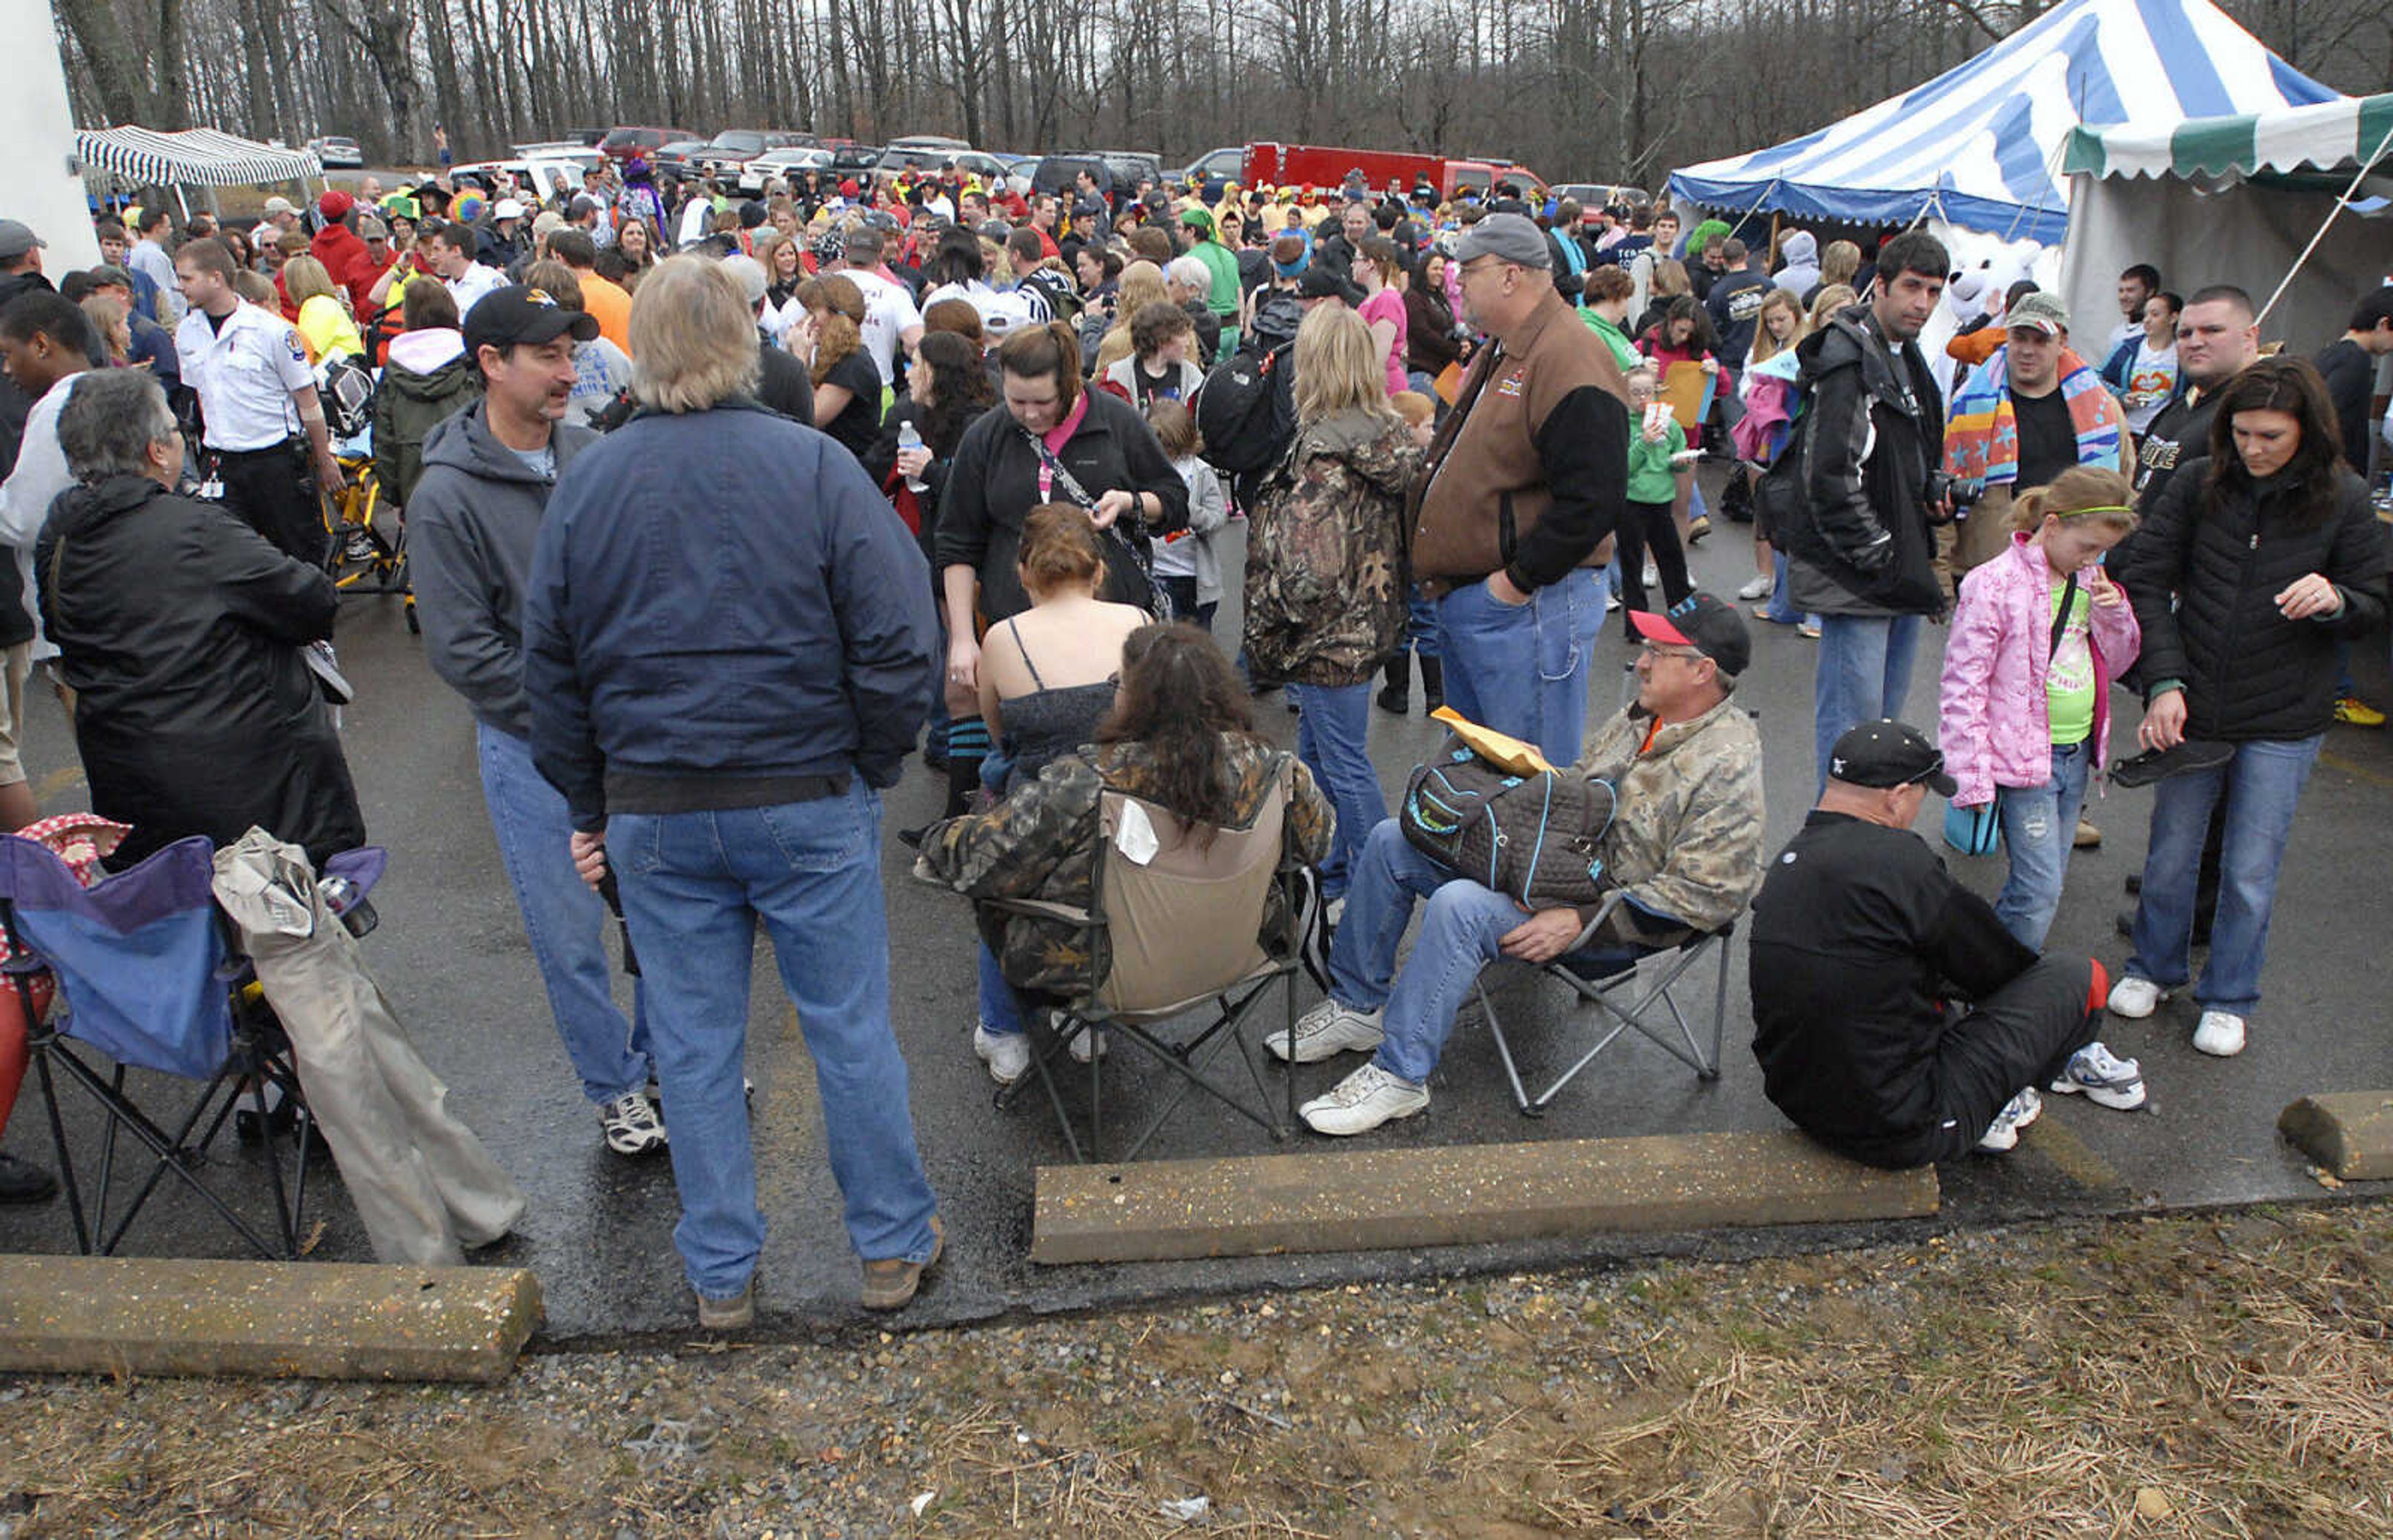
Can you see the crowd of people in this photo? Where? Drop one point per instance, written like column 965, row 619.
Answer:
column 718, row 509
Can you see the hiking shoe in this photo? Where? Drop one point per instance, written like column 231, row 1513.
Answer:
column 1089, row 1044
column 2088, row 837
column 733, row 1315
column 2352, row 712
column 2002, row 1134
column 1007, row 1055
column 631, row 1125
column 1806, row 631
column 2219, row 1033
column 21, row 1182
column 2157, row 764
column 1329, row 1028
column 2103, row 1079
column 890, row 1283
column 2135, row 999
column 1757, row 588
column 1362, row 1101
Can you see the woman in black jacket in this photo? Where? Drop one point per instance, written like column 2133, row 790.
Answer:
column 1432, row 340
column 1050, row 440
column 181, row 632
column 2272, row 553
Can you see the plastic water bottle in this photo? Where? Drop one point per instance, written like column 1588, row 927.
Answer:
column 909, row 438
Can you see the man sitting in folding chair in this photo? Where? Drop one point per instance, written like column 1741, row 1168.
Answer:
column 1684, row 852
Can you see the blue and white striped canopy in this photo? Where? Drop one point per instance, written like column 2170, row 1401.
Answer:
column 192, row 157
column 1980, row 145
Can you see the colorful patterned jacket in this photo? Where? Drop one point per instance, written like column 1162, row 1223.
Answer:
column 1982, row 433
column 1042, row 842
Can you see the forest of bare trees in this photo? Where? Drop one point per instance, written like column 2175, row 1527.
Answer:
column 1579, row 89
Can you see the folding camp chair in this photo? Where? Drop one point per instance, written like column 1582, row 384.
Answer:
column 146, row 978
column 1172, row 934
column 1607, row 976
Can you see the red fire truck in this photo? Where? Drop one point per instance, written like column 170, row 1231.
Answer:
column 1329, row 167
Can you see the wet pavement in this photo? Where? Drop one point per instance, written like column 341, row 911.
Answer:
column 452, row 954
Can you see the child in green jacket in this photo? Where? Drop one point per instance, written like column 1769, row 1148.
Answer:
column 1660, row 473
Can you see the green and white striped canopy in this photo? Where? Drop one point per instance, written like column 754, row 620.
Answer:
column 2329, row 137
column 194, row 157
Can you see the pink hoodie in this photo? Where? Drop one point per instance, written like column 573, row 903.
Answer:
column 1993, row 722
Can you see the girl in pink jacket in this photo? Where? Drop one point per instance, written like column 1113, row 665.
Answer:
column 2025, row 721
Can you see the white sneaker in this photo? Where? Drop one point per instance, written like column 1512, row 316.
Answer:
column 1329, row 1028
column 1362, row 1101
column 1652, row 576
column 1007, row 1055
column 2002, row 1134
column 2219, row 1033
column 1757, row 588
column 2102, row 1078
column 1611, row 601
column 631, row 1125
column 2135, row 999
column 1090, row 1044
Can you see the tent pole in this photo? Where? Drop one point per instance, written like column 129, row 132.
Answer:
column 2367, row 162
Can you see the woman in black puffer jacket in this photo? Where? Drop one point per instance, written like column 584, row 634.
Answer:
column 2272, row 553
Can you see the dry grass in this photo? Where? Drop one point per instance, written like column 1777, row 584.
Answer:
column 2181, row 1377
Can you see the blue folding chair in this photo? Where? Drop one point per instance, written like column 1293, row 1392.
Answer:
column 146, row 977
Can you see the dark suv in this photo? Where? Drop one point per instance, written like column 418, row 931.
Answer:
column 622, row 143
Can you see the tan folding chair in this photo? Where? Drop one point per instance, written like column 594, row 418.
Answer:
column 1170, row 935
column 1631, row 988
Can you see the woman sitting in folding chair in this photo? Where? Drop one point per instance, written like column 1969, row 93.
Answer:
column 1683, row 850
column 1179, row 735
column 185, row 636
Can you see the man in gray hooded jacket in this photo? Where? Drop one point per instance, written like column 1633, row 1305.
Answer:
column 471, row 524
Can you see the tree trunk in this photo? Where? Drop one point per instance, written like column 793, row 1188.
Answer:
column 116, row 75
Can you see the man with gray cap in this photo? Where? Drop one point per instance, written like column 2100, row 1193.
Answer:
column 1517, row 501
column 1862, row 938
column 2027, row 413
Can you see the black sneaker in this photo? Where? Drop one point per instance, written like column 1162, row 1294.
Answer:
column 2157, row 764
column 24, row 1182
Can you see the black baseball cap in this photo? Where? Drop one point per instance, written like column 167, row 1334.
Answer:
column 1889, row 754
column 519, row 314
column 1319, row 282
column 1705, row 623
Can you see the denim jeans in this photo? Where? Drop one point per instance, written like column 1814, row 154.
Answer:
column 1180, row 600
column 563, row 919
column 1522, row 668
column 694, row 886
column 2039, row 831
column 1333, row 724
column 1459, row 936
column 1000, row 1008
column 1864, row 673
column 1420, row 622
column 1780, row 610
column 2262, row 785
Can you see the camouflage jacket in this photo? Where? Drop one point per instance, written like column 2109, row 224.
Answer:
column 1686, row 838
column 1042, row 842
column 1325, row 552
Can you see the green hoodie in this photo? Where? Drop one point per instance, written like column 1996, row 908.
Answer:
column 1623, row 352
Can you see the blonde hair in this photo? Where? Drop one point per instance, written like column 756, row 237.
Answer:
column 1413, row 407
column 557, row 281
column 1826, row 303
column 1765, row 346
column 1669, row 280
column 1338, row 367
column 841, row 329
column 304, row 279
column 1841, row 262
column 107, row 313
column 2095, row 493
column 693, row 336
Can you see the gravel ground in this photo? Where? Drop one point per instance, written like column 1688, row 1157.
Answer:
column 2182, row 1375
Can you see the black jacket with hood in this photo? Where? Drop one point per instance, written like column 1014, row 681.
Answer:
column 180, row 628
column 1859, row 536
column 471, row 527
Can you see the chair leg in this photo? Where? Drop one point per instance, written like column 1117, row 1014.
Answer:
column 41, row 1048
column 1719, row 1013
column 1504, row 1052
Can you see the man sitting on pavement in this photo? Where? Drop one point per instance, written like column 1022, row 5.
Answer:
column 1861, row 936
column 1684, row 846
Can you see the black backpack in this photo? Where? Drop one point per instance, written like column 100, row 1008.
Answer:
column 1246, row 411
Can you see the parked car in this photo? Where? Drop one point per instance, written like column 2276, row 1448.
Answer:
column 677, row 158
column 855, row 160
column 784, row 163
column 1596, row 195
column 337, row 153
column 622, row 142
column 537, row 181
column 1215, row 170
column 734, row 148
column 1119, row 172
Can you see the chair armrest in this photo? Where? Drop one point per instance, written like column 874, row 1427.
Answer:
column 1603, row 912
column 1039, row 908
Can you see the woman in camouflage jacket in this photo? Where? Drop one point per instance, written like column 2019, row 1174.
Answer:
column 1181, row 734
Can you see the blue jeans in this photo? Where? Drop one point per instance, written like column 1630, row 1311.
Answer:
column 1779, row 610
column 1420, row 622
column 1333, row 724
column 1459, row 936
column 2039, row 831
column 1180, row 600
column 2262, row 785
column 563, row 919
column 1522, row 668
column 1864, row 673
column 694, row 886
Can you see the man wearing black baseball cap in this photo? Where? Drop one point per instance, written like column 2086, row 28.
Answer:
column 1862, row 938
column 472, row 522
column 1684, row 848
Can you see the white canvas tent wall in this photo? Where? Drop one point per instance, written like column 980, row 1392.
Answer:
column 39, row 185
column 1979, row 147
column 2235, row 199
column 193, row 157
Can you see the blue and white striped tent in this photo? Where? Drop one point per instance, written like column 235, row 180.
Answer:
column 192, row 157
column 1980, row 145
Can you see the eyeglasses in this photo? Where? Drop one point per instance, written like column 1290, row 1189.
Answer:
column 1481, row 265
column 1656, row 649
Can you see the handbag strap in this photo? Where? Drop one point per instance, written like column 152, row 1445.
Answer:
column 1070, row 483
column 2061, row 618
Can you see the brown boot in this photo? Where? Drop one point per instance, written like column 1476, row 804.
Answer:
column 889, row 1282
